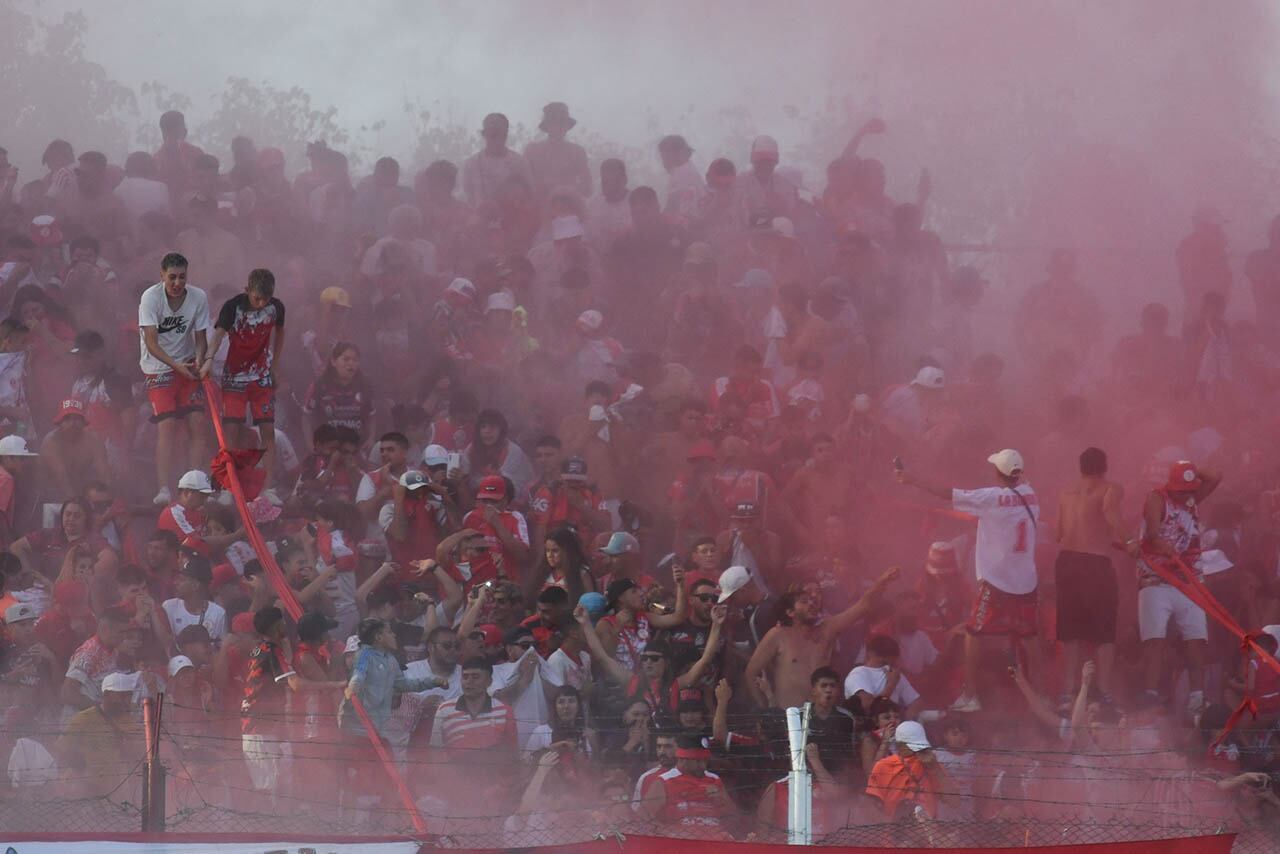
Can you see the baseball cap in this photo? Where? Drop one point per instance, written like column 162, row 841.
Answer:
column 17, row 613
column 911, row 733
column 413, row 480
column 435, row 455
column 353, row 644
column 69, row 408
column 930, row 377
column 862, row 403
column 87, row 341
column 703, row 449
column 616, row 588
column 71, row 595
column 732, row 580
column 336, row 296
column 512, row 636
column 745, row 510
column 463, row 289
column 941, row 559
column 492, row 488
column 590, row 320
column 196, row 480
column 492, row 634
column 594, row 603
column 566, row 228
column 755, row 279
column 574, row 468
column 500, row 301
column 179, row 663
column 782, row 227
column 764, row 148
column 15, row 446
column 621, row 543
column 198, row 568
column 123, row 683
column 1183, row 477
column 1007, row 462
column 314, row 624
column 242, row 624
column 198, row 633
column 223, row 574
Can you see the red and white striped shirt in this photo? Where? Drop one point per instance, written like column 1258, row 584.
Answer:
column 493, row 727
column 187, row 524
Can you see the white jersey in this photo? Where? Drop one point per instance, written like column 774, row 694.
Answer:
column 176, row 330
column 1005, row 553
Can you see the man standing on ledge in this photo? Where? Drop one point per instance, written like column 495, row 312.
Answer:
column 1006, row 604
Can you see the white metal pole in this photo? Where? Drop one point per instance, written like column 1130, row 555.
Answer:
column 799, row 782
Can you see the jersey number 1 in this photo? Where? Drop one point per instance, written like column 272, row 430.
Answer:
column 1020, row 545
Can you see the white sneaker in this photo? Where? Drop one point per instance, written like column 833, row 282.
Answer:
column 1195, row 703
column 163, row 498
column 966, row 704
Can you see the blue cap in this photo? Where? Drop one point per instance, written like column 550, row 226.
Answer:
column 594, row 603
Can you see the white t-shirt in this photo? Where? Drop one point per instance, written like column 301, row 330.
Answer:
column 214, row 618
column 873, row 679
column 560, row 669
column 176, row 329
column 1006, row 550
column 915, row 651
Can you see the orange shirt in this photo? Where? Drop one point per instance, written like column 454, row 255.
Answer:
column 895, row 779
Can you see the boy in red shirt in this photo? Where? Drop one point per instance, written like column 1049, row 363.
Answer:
column 505, row 532
column 253, row 359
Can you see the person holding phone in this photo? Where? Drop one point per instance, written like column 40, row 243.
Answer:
column 1007, row 604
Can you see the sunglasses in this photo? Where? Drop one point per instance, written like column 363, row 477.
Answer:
column 524, row 644
column 709, row 598
column 447, row 644
column 651, row 657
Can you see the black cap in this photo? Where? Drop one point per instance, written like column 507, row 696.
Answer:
column 314, row 624
column 199, row 568
column 513, row 635
column 745, row 510
column 87, row 341
column 252, row 567
column 194, row 634
column 574, row 467
column 616, row 588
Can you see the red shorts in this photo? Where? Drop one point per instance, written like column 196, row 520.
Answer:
column 258, row 399
column 173, row 395
column 998, row 613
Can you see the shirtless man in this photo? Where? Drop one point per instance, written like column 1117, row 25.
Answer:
column 799, row 645
column 1088, row 527
column 73, row 455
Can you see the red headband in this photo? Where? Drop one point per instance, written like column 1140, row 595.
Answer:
column 693, row 753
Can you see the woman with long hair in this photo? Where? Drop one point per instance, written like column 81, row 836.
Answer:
column 564, row 564
column 567, row 729
column 340, row 395
column 44, row 550
column 492, row 452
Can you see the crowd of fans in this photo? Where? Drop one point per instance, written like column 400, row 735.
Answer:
column 580, row 484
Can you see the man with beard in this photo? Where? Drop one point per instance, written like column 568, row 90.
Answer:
column 664, row 750
column 799, row 645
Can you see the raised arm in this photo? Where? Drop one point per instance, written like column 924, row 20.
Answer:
column 720, row 721
column 1035, row 702
column 943, row 492
column 681, row 611
column 858, row 610
column 613, row 668
column 694, row 674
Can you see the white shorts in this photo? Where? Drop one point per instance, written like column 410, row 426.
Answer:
column 1157, row 604
column 266, row 756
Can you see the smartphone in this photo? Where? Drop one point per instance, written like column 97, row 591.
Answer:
column 897, row 464
column 455, row 461
column 311, row 528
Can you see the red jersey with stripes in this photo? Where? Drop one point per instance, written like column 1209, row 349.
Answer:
column 691, row 801
column 493, row 726
column 187, row 524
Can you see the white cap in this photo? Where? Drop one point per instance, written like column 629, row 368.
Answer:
column 732, row 580
column 930, row 377
column 353, row 644
column 15, row 446
column 1006, row 462
column 124, row 683
column 912, row 735
column 566, row 227
column 197, row 480
column 500, row 301
column 1213, row 561
column 755, row 278
column 590, row 320
column 765, row 146
column 177, row 663
column 435, row 455
column 1273, row 630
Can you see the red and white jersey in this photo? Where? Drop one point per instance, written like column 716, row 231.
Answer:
column 644, row 783
column 1180, row 528
column 759, row 395
column 493, row 727
column 1005, row 552
column 187, row 524
column 505, row 563
column 691, row 800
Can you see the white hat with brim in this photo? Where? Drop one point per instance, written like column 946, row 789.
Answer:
column 15, row 446
column 179, row 663
column 912, row 735
column 353, row 644
column 1007, row 462
column 121, row 683
column 732, row 580
column 197, row 481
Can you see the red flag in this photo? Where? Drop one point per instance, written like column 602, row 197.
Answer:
column 245, row 461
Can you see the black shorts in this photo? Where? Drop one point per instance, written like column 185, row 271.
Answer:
column 1088, row 597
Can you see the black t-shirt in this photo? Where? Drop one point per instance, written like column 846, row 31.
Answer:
column 688, row 642
column 249, row 336
column 834, row 737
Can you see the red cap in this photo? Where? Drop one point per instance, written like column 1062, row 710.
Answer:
column 67, row 409
column 492, row 488
column 492, row 634
column 703, row 449
column 242, row 623
column 71, row 594
column 1183, row 477
column 223, row 574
